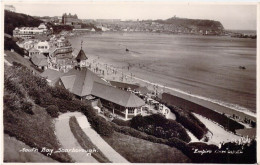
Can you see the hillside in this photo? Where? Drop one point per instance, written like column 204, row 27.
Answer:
column 13, row 20
column 194, row 24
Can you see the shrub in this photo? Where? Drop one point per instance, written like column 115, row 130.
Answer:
column 181, row 145
column 61, row 93
column 12, row 87
column 189, row 121
column 102, row 126
column 172, row 142
column 10, row 44
column 98, row 123
column 11, row 102
column 121, row 122
column 27, row 107
column 53, row 111
column 89, row 112
column 160, row 127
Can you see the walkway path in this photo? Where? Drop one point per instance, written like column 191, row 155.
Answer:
column 68, row 141
column 106, row 149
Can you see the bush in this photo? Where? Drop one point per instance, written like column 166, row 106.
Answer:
column 121, row 122
column 181, row 145
column 12, row 87
column 27, row 107
column 160, row 127
column 172, row 142
column 61, row 93
column 11, row 102
column 102, row 126
column 186, row 107
column 53, row 111
column 10, row 44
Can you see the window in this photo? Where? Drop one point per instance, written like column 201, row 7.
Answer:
column 131, row 110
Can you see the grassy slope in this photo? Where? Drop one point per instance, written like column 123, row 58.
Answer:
column 13, row 146
column 15, row 57
column 141, row 151
column 36, row 130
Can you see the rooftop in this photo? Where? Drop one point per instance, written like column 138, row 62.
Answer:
column 51, row 74
column 81, row 55
column 80, row 81
column 115, row 95
column 39, row 60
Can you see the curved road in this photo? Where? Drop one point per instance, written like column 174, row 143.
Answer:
column 68, row 140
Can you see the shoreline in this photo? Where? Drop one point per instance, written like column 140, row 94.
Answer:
column 121, row 67
column 219, row 108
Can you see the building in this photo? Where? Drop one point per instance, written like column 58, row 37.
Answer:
column 52, row 76
column 33, row 52
column 81, row 58
column 10, row 8
column 85, row 84
column 120, row 102
column 27, row 45
column 40, row 61
column 68, row 19
column 43, row 47
column 30, row 32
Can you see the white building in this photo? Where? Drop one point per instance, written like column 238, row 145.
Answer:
column 43, row 46
column 29, row 32
column 10, row 8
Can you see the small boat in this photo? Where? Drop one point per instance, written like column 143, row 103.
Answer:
column 242, row 67
column 127, row 50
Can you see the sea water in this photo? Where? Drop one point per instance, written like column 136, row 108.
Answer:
column 207, row 67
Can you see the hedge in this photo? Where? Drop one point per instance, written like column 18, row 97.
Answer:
column 53, row 111
column 160, row 127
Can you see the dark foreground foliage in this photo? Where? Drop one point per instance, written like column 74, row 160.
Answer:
column 160, row 127
column 188, row 120
column 248, row 154
column 9, row 44
column 186, row 105
column 13, row 20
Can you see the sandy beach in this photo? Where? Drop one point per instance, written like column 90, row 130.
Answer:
column 139, row 65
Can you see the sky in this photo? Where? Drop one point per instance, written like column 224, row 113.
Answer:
column 233, row 16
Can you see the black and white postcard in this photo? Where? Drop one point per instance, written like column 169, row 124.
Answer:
column 129, row 82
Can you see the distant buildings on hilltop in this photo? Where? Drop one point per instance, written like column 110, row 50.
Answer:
column 10, row 8
column 68, row 19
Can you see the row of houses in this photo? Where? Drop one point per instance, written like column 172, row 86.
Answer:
column 66, row 67
column 49, row 51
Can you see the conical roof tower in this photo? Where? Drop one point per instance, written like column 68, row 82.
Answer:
column 81, row 55
column 81, row 58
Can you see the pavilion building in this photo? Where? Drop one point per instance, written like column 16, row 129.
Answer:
column 85, row 84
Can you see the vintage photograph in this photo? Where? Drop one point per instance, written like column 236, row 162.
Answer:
column 129, row 82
